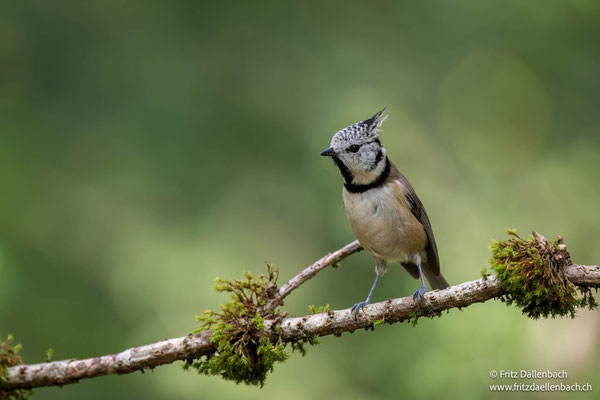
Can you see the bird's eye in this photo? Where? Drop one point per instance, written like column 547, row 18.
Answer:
column 354, row 148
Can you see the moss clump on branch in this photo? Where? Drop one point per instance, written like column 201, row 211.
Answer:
column 531, row 273
column 9, row 356
column 245, row 351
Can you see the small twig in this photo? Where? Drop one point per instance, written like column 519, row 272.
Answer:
column 312, row 270
column 583, row 275
column 329, row 323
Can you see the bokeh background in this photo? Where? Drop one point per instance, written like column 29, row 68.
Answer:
column 148, row 147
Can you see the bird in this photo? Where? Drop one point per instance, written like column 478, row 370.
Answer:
column 384, row 211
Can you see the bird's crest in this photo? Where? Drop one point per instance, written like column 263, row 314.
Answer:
column 367, row 129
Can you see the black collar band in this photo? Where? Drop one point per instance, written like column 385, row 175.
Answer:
column 352, row 188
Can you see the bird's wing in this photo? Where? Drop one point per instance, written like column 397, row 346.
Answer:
column 418, row 210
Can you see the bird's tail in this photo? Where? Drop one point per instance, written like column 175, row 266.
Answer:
column 435, row 281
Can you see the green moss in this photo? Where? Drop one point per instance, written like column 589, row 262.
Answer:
column 245, row 351
column 413, row 318
column 49, row 354
column 485, row 273
column 300, row 343
column 378, row 322
column 9, row 356
column 531, row 273
column 318, row 310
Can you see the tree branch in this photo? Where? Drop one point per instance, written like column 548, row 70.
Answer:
column 310, row 326
column 312, row 270
column 58, row 373
column 401, row 309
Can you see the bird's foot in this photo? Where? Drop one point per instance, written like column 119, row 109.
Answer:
column 359, row 306
column 418, row 295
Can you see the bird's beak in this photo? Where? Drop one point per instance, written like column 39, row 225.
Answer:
column 328, row 152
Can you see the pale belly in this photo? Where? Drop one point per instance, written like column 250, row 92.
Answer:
column 383, row 225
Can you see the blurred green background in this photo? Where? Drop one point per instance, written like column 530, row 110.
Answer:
column 148, row 147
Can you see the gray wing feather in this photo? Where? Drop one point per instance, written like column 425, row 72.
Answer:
column 418, row 210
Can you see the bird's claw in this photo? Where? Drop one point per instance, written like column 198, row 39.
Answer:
column 418, row 295
column 359, row 306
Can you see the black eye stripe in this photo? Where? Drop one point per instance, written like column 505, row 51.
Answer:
column 355, row 147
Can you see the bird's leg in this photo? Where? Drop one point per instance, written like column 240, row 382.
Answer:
column 380, row 268
column 360, row 305
column 418, row 295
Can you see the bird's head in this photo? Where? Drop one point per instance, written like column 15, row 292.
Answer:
column 357, row 150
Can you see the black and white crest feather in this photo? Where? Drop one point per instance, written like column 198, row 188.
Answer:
column 360, row 132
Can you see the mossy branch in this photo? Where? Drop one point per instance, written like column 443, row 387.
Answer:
column 533, row 276
column 260, row 321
